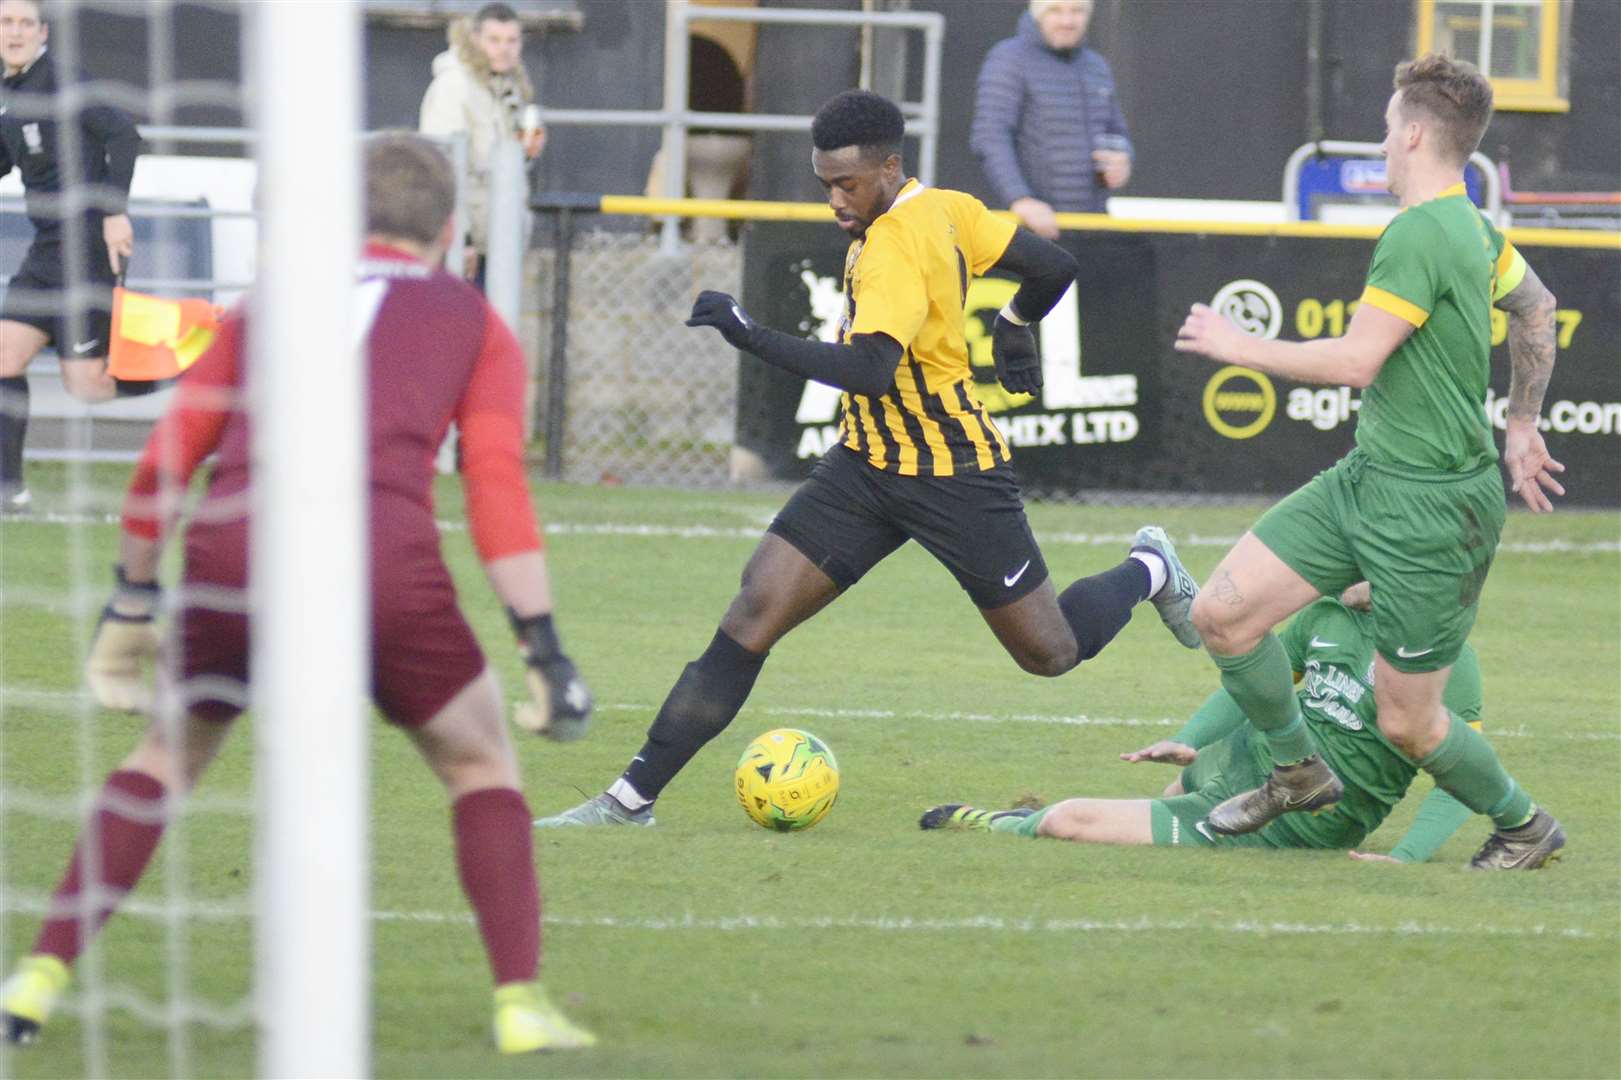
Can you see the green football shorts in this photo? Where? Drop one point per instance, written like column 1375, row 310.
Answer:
column 1424, row 540
column 1224, row 768
column 1230, row 766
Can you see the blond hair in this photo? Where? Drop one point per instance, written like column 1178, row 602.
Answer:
column 1453, row 94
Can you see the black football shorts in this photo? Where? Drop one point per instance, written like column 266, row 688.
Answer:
column 78, row 326
column 848, row 516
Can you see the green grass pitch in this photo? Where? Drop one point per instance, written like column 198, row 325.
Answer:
column 864, row 947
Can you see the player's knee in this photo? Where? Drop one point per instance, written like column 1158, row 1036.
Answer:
column 1219, row 625
column 750, row 606
column 1207, row 616
column 473, row 764
column 754, row 616
column 466, row 743
column 165, row 764
column 1046, row 661
column 1065, row 821
column 88, row 382
column 1050, row 665
column 15, row 355
column 1413, row 732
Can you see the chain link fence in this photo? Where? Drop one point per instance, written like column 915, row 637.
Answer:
column 642, row 398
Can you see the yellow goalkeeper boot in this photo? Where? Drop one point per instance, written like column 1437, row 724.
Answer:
column 527, row 1021
column 27, row 998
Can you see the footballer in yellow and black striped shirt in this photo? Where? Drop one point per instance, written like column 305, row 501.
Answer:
column 920, row 459
column 907, row 278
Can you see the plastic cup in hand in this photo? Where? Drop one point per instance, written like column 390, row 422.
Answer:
column 530, row 130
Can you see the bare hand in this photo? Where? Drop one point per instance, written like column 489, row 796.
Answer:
column 1115, row 165
column 469, row 262
column 1530, row 469
column 119, row 234
column 1165, row 751
column 533, row 143
column 1037, row 216
column 1208, row 331
column 1369, row 856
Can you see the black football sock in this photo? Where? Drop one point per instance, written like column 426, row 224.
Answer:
column 703, row 701
column 128, row 388
column 1097, row 607
column 13, row 430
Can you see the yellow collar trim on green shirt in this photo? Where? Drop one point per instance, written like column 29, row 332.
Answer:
column 1445, row 193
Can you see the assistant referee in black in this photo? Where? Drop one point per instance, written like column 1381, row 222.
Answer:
column 58, row 297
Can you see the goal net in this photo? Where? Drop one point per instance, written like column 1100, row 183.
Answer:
column 245, row 947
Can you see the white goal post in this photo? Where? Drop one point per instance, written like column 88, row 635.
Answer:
column 309, row 572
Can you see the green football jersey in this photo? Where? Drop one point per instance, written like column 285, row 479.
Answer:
column 1332, row 646
column 1438, row 265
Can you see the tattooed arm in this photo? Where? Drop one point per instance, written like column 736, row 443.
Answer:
column 1531, row 336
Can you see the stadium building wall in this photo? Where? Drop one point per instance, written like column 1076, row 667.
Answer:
column 1213, row 91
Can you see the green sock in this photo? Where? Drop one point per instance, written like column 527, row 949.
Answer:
column 1264, row 687
column 1466, row 766
column 1019, row 826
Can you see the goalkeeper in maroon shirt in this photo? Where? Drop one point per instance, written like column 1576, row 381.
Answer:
column 436, row 353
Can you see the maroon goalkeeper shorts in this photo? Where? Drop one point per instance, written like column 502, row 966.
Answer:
column 423, row 651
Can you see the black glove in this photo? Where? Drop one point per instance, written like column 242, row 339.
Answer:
column 1013, row 347
column 560, row 705
column 725, row 314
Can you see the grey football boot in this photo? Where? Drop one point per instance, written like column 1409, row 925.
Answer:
column 1174, row 601
column 601, row 809
column 1529, row 847
column 1306, row 785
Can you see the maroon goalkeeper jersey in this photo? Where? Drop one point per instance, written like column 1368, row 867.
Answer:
column 436, row 352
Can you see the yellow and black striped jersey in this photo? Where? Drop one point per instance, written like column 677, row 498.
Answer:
column 908, row 278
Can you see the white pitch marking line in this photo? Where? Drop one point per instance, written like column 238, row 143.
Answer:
column 241, row 910
column 1003, row 924
column 1069, row 720
column 711, row 532
column 57, row 700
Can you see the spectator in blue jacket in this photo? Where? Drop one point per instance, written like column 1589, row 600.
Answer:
column 1047, row 125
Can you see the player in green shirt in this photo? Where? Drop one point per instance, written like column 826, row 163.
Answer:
column 1330, row 646
column 1417, row 507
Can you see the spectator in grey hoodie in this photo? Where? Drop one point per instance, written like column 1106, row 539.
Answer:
column 1047, row 127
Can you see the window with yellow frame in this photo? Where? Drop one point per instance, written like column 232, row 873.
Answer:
column 1517, row 43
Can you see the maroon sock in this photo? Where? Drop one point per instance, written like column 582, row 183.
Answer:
column 496, row 856
column 128, row 826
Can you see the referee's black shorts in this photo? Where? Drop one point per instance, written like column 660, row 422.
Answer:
column 79, row 327
column 848, row 516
